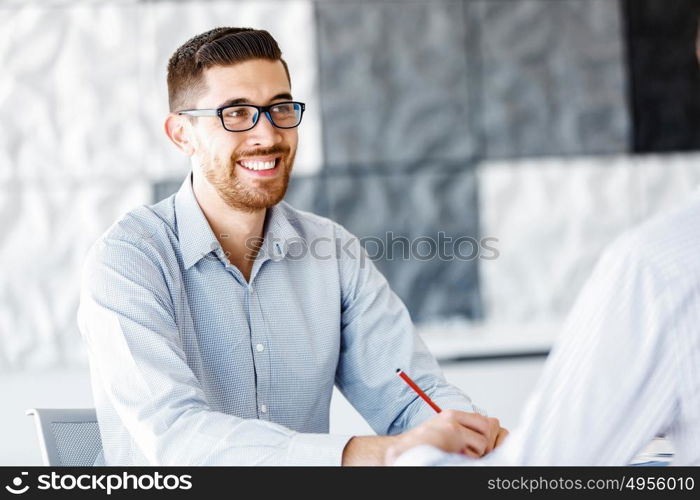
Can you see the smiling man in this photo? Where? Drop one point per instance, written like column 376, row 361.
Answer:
column 215, row 337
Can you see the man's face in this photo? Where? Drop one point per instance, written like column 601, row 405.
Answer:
column 223, row 155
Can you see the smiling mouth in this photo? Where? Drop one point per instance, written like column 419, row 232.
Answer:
column 259, row 165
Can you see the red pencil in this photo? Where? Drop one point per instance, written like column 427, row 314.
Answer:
column 418, row 390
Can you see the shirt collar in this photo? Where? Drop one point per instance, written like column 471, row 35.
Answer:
column 198, row 240
column 279, row 233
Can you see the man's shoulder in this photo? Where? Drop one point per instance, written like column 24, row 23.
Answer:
column 146, row 228
column 668, row 241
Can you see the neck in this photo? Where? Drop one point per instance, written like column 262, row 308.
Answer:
column 234, row 229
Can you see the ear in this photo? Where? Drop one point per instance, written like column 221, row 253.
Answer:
column 179, row 131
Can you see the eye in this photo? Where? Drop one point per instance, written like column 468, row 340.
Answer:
column 237, row 112
column 283, row 108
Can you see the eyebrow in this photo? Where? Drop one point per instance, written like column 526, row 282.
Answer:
column 244, row 100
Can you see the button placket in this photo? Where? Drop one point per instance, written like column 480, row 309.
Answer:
column 260, row 353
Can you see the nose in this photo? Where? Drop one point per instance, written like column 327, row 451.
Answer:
column 264, row 133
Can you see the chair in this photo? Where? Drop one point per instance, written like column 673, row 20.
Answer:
column 68, row 437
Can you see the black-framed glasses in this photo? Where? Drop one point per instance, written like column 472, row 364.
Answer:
column 242, row 117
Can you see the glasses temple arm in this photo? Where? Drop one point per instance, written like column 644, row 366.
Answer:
column 199, row 112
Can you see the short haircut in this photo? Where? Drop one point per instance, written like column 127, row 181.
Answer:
column 217, row 47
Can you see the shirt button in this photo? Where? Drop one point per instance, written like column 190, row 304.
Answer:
column 263, row 408
column 260, row 348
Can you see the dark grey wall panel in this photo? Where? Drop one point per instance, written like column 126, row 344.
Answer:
column 665, row 79
column 416, row 205
column 308, row 193
column 164, row 188
column 395, row 83
column 553, row 78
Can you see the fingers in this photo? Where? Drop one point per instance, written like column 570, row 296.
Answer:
column 473, row 443
column 454, row 431
column 472, row 421
column 502, row 435
column 467, row 452
column 479, row 434
column 494, row 429
column 471, row 432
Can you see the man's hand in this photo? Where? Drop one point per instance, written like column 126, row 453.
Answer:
column 452, row 431
column 501, row 436
column 496, row 434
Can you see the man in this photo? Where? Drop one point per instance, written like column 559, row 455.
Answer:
column 215, row 337
column 626, row 367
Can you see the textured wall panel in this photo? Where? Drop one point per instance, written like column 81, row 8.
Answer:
column 83, row 89
column 664, row 74
column 553, row 77
column 552, row 219
column 395, row 83
column 665, row 181
column 70, row 101
column 416, row 205
column 47, row 228
column 167, row 25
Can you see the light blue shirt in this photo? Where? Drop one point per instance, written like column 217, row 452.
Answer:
column 191, row 364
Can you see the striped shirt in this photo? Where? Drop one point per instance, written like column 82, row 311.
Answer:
column 192, row 364
column 627, row 365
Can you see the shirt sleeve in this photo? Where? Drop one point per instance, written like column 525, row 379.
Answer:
column 127, row 320
column 610, row 384
column 378, row 337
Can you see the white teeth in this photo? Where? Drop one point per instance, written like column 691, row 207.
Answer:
column 258, row 165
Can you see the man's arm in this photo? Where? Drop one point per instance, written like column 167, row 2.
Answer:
column 377, row 338
column 127, row 320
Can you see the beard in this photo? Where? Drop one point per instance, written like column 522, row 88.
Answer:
column 249, row 195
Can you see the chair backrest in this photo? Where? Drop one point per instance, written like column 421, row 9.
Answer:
column 67, row 437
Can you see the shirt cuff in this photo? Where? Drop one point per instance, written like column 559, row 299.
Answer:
column 457, row 403
column 317, row 449
column 425, row 412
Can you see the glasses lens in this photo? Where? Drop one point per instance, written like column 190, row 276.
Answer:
column 239, row 117
column 286, row 114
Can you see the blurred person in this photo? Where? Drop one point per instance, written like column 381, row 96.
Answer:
column 210, row 340
column 626, row 367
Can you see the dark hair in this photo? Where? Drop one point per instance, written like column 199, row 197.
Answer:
column 217, row 47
